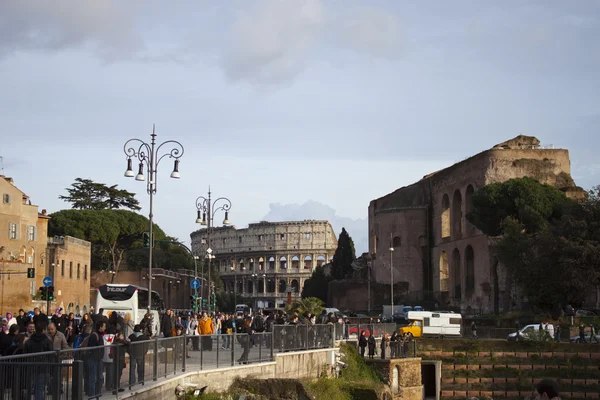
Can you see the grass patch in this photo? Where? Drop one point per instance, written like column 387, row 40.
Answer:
column 357, row 381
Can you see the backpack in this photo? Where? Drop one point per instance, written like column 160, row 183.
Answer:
column 85, row 342
column 259, row 324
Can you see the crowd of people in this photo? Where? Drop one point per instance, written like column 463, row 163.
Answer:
column 397, row 344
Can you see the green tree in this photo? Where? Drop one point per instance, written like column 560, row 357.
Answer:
column 86, row 194
column 317, row 285
column 549, row 244
column 309, row 305
column 341, row 266
column 111, row 232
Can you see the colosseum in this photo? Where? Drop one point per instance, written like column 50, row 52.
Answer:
column 268, row 260
column 438, row 255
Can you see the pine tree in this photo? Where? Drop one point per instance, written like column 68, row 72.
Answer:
column 341, row 267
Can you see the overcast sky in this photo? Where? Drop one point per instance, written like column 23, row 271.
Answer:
column 292, row 109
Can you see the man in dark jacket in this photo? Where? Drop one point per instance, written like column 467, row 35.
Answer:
column 94, row 360
column 40, row 318
column 38, row 343
column 137, row 353
column 22, row 320
column 166, row 324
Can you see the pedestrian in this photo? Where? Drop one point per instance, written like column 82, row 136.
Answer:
column 38, row 343
column 394, row 344
column 385, row 340
column 557, row 333
column 547, row 389
column 474, row 330
column 206, row 328
column 362, row 343
column 372, row 344
column 138, row 348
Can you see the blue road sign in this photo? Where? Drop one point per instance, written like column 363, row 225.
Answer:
column 195, row 283
column 47, row 281
column 30, row 313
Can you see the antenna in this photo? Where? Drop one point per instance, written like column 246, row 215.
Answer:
column 1, row 165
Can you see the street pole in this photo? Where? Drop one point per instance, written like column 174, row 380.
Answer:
column 392, row 272
column 149, row 154
column 206, row 213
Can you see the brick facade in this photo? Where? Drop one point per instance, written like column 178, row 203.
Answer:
column 437, row 253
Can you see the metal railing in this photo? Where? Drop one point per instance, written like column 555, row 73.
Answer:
column 352, row 331
column 86, row 373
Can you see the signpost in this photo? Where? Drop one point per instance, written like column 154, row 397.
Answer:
column 47, row 283
column 195, row 284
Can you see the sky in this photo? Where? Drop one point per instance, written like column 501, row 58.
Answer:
column 292, row 109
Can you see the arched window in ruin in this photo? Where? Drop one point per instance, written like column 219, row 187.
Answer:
column 250, row 286
column 295, row 286
column 240, row 287
column 30, row 256
column 283, row 263
column 270, row 285
column 469, row 205
column 241, row 264
column 445, row 213
column 271, row 262
column 308, row 262
column 321, row 260
column 456, row 275
column 295, row 262
column 282, row 286
column 251, row 264
column 443, row 271
column 470, row 269
column 396, row 242
column 23, row 254
column 456, row 216
column 261, row 264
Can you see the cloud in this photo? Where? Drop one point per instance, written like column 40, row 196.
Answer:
column 357, row 228
column 371, row 30
column 272, row 42
column 66, row 24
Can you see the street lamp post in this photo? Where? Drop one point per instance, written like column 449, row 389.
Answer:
column 392, row 272
column 150, row 155
column 206, row 213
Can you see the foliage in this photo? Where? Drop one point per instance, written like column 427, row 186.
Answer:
column 317, row 285
column 111, row 232
column 544, row 234
column 309, row 305
column 524, row 200
column 341, row 266
column 86, row 194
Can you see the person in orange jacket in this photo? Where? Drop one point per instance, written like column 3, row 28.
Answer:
column 206, row 328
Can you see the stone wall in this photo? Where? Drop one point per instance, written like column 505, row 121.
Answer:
column 293, row 365
column 403, row 375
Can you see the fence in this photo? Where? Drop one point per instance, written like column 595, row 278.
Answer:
column 91, row 372
column 352, row 331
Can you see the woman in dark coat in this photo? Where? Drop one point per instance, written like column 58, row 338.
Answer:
column 362, row 343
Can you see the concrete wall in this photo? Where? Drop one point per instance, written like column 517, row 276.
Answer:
column 294, row 365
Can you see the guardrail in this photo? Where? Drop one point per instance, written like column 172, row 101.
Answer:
column 91, row 372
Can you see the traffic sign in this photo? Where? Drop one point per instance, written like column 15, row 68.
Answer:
column 47, row 281
column 195, row 283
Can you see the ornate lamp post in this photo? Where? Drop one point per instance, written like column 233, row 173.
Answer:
column 206, row 213
column 392, row 272
column 149, row 154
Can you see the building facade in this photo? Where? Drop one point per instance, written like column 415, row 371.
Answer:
column 437, row 254
column 268, row 261
column 23, row 245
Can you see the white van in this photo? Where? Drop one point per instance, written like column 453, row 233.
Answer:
column 431, row 323
column 531, row 332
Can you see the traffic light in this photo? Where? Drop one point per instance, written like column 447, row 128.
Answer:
column 193, row 302
column 43, row 292
column 50, row 293
column 146, row 239
column 31, row 273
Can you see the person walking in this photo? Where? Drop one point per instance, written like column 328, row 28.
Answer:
column 206, row 328
column 137, row 354
column 362, row 343
column 38, row 343
column 372, row 344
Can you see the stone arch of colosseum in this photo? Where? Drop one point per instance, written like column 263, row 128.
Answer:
column 456, row 216
column 456, row 275
column 445, row 214
column 469, row 270
column 444, row 272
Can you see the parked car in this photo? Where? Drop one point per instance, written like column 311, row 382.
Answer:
column 588, row 336
column 585, row 313
column 529, row 333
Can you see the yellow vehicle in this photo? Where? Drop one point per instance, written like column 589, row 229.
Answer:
column 428, row 323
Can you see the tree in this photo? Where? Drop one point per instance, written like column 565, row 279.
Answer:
column 341, row 266
column 86, row 194
column 317, row 285
column 523, row 199
column 111, row 232
column 309, row 305
column 549, row 244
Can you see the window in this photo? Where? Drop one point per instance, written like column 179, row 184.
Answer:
column 282, row 236
column 240, row 239
column 70, row 269
column 85, row 272
column 62, row 268
column 260, row 238
column 13, row 231
column 308, row 235
column 455, row 321
column 78, row 271
column 435, row 315
column 31, row 233
column 6, row 198
column 426, row 321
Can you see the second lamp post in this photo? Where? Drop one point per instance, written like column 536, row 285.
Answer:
column 207, row 208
